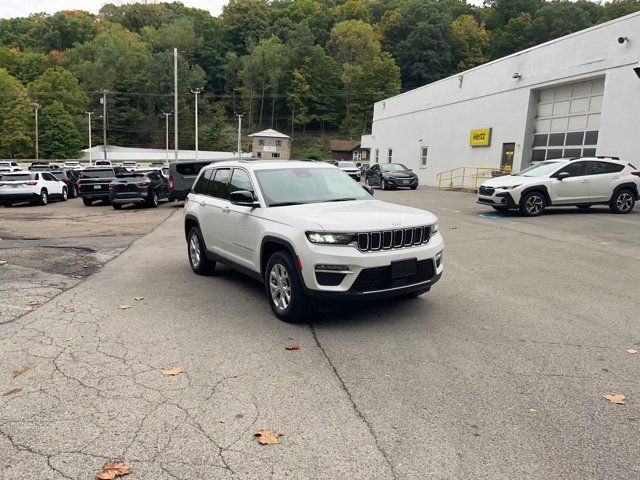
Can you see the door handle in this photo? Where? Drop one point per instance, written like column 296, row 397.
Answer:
column 616, row 177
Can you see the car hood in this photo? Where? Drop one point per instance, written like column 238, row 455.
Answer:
column 509, row 180
column 358, row 215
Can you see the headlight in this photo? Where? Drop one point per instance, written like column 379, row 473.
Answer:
column 509, row 187
column 434, row 228
column 331, row 238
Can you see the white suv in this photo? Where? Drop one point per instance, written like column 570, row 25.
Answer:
column 580, row 182
column 308, row 232
column 30, row 187
column 10, row 166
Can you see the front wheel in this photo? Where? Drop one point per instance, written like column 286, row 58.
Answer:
column 384, row 185
column 65, row 194
column 284, row 288
column 622, row 201
column 196, row 250
column 73, row 192
column 413, row 187
column 532, row 204
column 44, row 199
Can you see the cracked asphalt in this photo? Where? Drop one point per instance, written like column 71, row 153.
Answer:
column 498, row 373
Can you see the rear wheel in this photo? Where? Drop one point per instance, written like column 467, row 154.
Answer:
column 196, row 250
column 152, row 199
column 284, row 288
column 384, row 185
column 533, row 204
column 73, row 191
column 622, row 201
column 87, row 202
column 44, row 199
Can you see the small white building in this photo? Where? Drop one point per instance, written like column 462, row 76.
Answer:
column 578, row 95
column 269, row 144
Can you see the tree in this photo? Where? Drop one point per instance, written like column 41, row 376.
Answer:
column 557, row 19
column 59, row 84
column 353, row 42
column 619, row 8
column 470, row 42
column 515, row 36
column 16, row 122
column 63, row 30
column 59, row 137
column 352, row 10
column 246, row 22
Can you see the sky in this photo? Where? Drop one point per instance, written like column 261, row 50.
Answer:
column 23, row 8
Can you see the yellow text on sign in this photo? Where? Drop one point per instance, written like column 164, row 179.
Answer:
column 480, row 138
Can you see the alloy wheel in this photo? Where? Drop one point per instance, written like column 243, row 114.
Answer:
column 65, row 194
column 280, row 287
column 43, row 198
column 534, row 204
column 624, row 202
column 194, row 251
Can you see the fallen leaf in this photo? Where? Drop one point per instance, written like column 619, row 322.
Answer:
column 3, row 262
column 292, row 346
column 267, row 437
column 173, row 371
column 632, row 351
column 33, row 303
column 113, row 469
column 532, row 410
column 76, row 276
column 124, row 306
column 220, row 362
column 137, row 299
column 12, row 392
column 69, row 310
column 25, row 368
column 616, row 398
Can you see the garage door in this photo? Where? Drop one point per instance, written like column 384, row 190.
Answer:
column 568, row 120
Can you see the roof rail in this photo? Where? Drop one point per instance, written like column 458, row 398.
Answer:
column 608, row 156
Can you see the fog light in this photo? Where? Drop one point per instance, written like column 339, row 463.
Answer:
column 439, row 259
column 332, row 268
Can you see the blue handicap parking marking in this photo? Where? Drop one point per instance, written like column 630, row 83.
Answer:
column 492, row 216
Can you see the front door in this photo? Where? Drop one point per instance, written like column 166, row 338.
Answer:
column 575, row 188
column 508, row 152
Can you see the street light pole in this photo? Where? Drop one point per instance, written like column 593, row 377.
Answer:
column 196, row 92
column 104, row 122
column 175, row 101
column 239, row 134
column 166, row 122
column 36, row 106
column 90, row 151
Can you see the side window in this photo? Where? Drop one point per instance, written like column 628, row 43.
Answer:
column 200, row 187
column 48, row 177
column 601, row 168
column 220, row 186
column 576, row 169
column 240, row 181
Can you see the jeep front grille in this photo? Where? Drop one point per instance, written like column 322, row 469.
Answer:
column 388, row 239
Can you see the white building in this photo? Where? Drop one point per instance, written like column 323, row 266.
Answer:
column 576, row 95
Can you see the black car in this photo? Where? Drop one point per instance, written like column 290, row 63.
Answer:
column 391, row 175
column 70, row 179
column 93, row 183
column 148, row 187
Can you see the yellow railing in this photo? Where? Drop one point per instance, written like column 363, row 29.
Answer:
column 465, row 177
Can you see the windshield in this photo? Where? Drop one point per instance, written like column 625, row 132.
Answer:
column 539, row 170
column 347, row 165
column 105, row 173
column 393, row 167
column 130, row 175
column 294, row 186
column 16, row 178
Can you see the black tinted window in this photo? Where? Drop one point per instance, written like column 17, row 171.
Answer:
column 576, row 169
column 240, row 181
column 190, row 168
column 220, row 185
column 102, row 173
column 18, row 178
column 200, row 187
column 601, row 168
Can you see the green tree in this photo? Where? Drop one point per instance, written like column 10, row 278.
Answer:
column 353, row 42
column 59, row 136
column 619, row 8
column 63, row 30
column 556, row 19
column 246, row 22
column 352, row 10
column 470, row 42
column 59, row 84
column 16, row 124
column 515, row 36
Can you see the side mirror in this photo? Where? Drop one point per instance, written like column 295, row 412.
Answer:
column 244, row 198
column 368, row 189
column 562, row 175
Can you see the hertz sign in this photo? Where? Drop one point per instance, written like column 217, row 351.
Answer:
column 480, row 138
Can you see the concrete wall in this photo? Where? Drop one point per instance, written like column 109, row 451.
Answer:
column 441, row 115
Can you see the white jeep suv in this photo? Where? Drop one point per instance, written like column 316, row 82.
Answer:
column 308, row 232
column 580, row 182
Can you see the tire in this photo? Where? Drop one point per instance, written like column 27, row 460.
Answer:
column 8, row 204
column 500, row 209
column 116, row 206
column 153, row 200
column 73, row 192
column 413, row 187
column 533, row 204
column 584, row 207
column 196, row 251
column 622, row 201
column 44, row 198
column 284, row 289
column 87, row 202
column 65, row 194
column 384, row 185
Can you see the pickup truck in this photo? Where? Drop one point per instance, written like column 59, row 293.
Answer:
column 93, row 183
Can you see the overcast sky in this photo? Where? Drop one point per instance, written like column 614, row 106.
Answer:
column 23, row 8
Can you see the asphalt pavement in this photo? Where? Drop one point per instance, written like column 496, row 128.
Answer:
column 498, row 373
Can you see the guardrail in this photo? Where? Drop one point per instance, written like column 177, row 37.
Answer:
column 466, row 178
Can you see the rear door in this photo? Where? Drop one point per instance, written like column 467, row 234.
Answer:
column 215, row 210
column 604, row 176
column 573, row 189
column 53, row 186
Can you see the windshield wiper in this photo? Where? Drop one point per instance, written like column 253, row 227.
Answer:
column 284, row 204
column 341, row 200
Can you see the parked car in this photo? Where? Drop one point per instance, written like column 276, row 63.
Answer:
column 69, row 177
column 43, row 167
column 103, row 163
column 157, row 165
column 93, row 183
column 182, row 174
column 350, row 168
column 34, row 187
column 138, row 187
column 391, row 175
column 72, row 164
column 130, row 166
column 309, row 233
column 10, row 166
column 579, row 182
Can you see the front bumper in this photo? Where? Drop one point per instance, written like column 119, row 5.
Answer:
column 401, row 182
column 348, row 286
column 498, row 199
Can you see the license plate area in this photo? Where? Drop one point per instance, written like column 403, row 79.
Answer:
column 404, row 268
column 97, row 187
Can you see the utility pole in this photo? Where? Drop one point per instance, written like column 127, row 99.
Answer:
column 239, row 134
column 90, row 151
column 196, row 92
column 36, row 106
column 175, row 101
column 293, row 118
column 166, row 122
column 104, row 122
